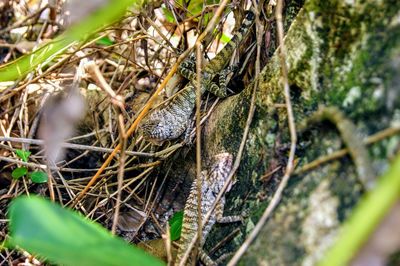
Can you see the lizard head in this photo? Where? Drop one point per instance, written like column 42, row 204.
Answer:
column 220, row 169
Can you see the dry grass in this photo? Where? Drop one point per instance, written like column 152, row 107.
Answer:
column 121, row 77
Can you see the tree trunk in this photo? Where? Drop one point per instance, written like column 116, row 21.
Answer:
column 339, row 53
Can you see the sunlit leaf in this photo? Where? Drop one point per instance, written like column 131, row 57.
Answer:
column 38, row 177
column 19, row 172
column 23, row 154
column 105, row 41
column 168, row 14
column 175, row 225
column 80, row 32
column 225, row 38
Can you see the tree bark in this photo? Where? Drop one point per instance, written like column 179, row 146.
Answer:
column 339, row 53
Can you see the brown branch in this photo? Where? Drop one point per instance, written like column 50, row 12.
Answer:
column 290, row 166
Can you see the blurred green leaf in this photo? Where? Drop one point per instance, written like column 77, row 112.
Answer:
column 106, row 41
column 67, row 238
column 168, row 14
column 194, row 9
column 18, row 172
column 80, row 32
column 367, row 215
column 23, row 154
column 175, row 225
column 38, row 177
column 225, row 38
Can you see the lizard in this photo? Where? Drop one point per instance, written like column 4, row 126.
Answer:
column 212, row 181
column 170, row 119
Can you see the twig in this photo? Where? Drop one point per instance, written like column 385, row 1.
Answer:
column 223, row 241
column 198, row 143
column 16, row 161
column 4, row 95
column 95, row 73
column 234, row 167
column 50, row 184
column 75, row 146
column 21, row 22
column 149, row 104
column 340, row 153
column 123, row 140
column 157, row 28
column 348, row 132
column 289, row 167
column 167, row 242
column 44, row 167
column 70, row 193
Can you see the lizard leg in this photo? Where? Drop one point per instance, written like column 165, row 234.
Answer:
column 190, row 125
column 206, row 259
column 220, row 90
column 219, row 209
column 224, row 257
column 224, row 73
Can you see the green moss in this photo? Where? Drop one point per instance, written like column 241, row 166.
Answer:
column 394, row 259
column 340, row 55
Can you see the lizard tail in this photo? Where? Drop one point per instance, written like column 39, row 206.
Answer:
column 218, row 62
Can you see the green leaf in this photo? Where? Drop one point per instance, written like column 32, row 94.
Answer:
column 23, row 154
column 38, row 177
column 195, row 7
column 105, row 41
column 168, row 14
column 225, row 38
column 175, row 224
column 77, row 33
column 367, row 215
column 18, row 172
column 66, row 238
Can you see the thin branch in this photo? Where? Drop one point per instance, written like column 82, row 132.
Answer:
column 21, row 22
column 198, row 144
column 75, row 146
column 122, row 158
column 234, row 167
column 132, row 128
column 150, row 102
column 388, row 132
column 290, row 165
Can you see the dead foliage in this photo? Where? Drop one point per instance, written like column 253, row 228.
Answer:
column 72, row 114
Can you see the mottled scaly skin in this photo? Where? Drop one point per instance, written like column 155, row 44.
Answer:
column 169, row 120
column 213, row 181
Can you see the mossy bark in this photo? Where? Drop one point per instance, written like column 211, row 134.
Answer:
column 339, row 53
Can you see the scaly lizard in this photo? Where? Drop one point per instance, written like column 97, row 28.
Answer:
column 211, row 184
column 169, row 120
